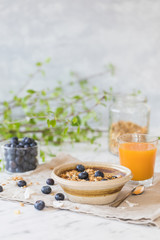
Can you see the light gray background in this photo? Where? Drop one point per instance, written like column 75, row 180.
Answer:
column 82, row 36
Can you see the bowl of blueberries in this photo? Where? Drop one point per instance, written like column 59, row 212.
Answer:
column 20, row 155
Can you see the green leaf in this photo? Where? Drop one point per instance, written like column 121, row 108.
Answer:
column 77, row 97
column 65, row 130
column 31, row 91
column 95, row 89
column 42, row 155
column 43, row 93
column 78, row 130
column 5, row 104
column 76, row 121
column 53, row 122
column 59, row 111
column 32, row 121
column 83, row 83
column 105, row 98
column 48, row 60
column 39, row 64
column 48, row 122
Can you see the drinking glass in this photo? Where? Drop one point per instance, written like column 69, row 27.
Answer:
column 138, row 153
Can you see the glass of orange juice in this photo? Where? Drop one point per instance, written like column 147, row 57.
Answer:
column 138, row 153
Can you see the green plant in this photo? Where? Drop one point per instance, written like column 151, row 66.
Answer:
column 55, row 116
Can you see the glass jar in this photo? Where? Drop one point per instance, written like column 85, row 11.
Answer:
column 127, row 114
column 18, row 159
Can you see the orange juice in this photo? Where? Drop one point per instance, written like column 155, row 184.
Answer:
column 139, row 157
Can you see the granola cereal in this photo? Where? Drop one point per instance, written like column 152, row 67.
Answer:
column 108, row 175
column 122, row 127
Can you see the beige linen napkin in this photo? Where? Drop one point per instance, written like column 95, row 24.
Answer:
column 142, row 209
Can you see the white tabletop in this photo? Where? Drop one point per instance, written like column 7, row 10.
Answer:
column 52, row 224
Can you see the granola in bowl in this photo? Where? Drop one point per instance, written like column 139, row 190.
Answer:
column 91, row 174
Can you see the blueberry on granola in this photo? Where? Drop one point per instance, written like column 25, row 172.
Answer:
column 1, row 188
column 99, row 174
column 83, row 175
column 46, row 190
column 21, row 183
column 59, row 196
column 113, row 177
column 50, row 181
column 39, row 205
column 80, row 168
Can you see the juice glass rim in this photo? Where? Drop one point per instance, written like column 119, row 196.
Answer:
column 148, row 138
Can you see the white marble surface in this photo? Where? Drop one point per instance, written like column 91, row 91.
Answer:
column 52, row 224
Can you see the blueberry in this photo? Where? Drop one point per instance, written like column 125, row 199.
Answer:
column 34, row 151
column 12, row 164
column 33, row 144
column 46, row 190
column 14, row 140
column 26, row 157
column 28, row 140
column 80, row 168
column 24, row 139
column 13, row 145
column 21, row 144
column 11, row 151
column 26, row 166
column 99, row 174
column 104, row 179
column 59, row 196
column 50, row 181
column 18, row 160
column 83, row 175
column 1, row 189
column 7, row 145
column 26, row 145
column 19, row 169
column 21, row 183
column 113, row 177
column 20, row 152
column 31, row 167
column 17, row 146
column 39, row 205
column 10, row 157
column 9, row 169
column 32, row 160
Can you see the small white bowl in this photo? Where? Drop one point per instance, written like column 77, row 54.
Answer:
column 99, row 192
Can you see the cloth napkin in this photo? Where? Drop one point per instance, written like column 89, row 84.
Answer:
column 141, row 209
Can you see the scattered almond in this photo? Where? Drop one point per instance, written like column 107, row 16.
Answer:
column 17, row 178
